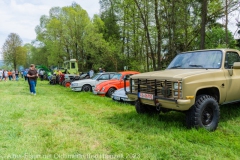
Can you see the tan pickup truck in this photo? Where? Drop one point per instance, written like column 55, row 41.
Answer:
column 195, row 83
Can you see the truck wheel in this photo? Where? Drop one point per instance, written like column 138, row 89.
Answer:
column 152, row 110
column 110, row 92
column 140, row 108
column 86, row 88
column 204, row 113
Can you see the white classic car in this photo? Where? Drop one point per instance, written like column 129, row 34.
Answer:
column 89, row 84
column 120, row 95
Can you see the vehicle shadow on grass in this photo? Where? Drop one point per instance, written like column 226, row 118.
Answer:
column 165, row 121
column 134, row 121
column 229, row 112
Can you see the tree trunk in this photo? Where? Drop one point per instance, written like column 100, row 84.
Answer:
column 159, row 36
column 147, row 34
column 203, row 24
column 226, row 24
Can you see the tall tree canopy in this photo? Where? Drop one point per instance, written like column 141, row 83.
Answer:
column 14, row 53
column 143, row 35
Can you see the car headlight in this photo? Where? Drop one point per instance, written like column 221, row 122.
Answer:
column 175, row 85
column 74, row 84
column 103, row 88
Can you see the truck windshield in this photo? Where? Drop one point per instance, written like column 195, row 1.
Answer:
column 199, row 59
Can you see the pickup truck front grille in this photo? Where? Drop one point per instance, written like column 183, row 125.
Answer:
column 161, row 88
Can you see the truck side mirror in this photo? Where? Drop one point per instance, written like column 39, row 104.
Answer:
column 236, row 65
column 126, row 77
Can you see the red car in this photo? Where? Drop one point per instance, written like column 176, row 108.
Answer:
column 108, row 87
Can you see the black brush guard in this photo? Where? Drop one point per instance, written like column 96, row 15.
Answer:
column 155, row 95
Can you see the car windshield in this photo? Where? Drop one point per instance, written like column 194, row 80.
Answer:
column 200, row 59
column 117, row 76
column 96, row 76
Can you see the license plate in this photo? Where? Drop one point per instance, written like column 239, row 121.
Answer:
column 116, row 98
column 145, row 96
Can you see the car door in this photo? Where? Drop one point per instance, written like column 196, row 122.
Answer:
column 233, row 81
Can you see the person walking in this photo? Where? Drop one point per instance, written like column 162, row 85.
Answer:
column 32, row 75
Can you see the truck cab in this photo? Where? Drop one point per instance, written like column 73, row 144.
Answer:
column 71, row 66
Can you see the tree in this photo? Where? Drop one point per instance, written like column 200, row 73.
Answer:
column 203, row 23
column 14, row 53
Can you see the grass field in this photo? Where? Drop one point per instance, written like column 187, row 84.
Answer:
column 60, row 124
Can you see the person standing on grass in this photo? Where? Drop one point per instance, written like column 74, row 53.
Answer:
column 25, row 74
column 22, row 73
column 32, row 75
column 16, row 73
column 41, row 73
column 5, row 73
column 91, row 73
column 1, row 74
column 9, row 75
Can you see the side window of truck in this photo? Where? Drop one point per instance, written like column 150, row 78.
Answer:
column 231, row 57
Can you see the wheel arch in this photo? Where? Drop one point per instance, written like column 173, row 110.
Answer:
column 211, row 91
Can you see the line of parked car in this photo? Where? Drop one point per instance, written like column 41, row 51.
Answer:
column 110, row 84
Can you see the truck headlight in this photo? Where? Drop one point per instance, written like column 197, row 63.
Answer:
column 133, row 87
column 175, row 85
column 176, row 93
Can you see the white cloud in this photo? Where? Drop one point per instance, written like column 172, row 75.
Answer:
column 22, row 16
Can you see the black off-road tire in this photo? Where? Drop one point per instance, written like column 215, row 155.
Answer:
column 152, row 110
column 205, row 113
column 140, row 108
column 86, row 88
column 110, row 92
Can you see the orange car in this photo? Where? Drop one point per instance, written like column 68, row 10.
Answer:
column 108, row 87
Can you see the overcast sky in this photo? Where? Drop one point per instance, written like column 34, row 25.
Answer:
column 22, row 16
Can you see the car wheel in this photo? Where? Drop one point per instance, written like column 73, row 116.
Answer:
column 110, row 92
column 67, row 84
column 140, row 108
column 86, row 88
column 205, row 113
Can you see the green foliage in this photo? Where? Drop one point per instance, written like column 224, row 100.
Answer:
column 14, row 54
column 141, row 34
column 215, row 38
column 60, row 122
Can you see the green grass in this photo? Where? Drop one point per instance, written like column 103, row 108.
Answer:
column 61, row 124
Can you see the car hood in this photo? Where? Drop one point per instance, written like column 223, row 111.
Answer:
column 85, row 81
column 173, row 74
